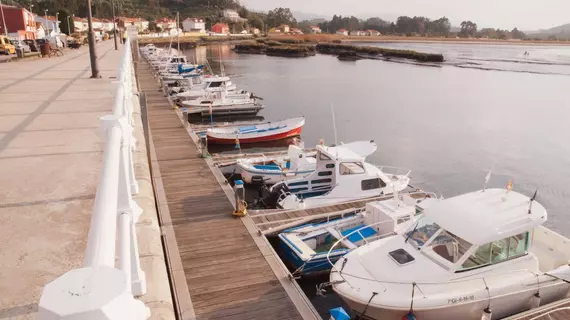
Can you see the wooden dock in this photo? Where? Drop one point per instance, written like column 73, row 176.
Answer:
column 226, row 274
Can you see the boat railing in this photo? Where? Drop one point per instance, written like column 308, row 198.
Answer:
column 394, row 171
column 111, row 276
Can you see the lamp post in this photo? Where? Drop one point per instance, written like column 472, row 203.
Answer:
column 3, row 21
column 56, row 25
column 68, row 26
column 91, row 37
column 114, row 25
column 31, row 8
column 47, row 23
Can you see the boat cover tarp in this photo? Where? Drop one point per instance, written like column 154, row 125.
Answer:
column 267, row 167
column 355, row 237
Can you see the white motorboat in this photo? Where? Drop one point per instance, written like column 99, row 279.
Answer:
column 306, row 247
column 341, row 175
column 209, row 86
column 219, row 100
column 480, row 255
column 297, row 163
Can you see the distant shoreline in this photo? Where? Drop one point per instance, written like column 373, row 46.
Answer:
column 397, row 39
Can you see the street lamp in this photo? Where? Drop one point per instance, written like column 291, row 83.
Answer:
column 47, row 23
column 114, row 25
column 3, row 21
column 31, row 8
column 91, row 38
column 56, row 25
column 68, row 25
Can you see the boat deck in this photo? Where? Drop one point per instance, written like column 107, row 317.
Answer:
column 226, row 274
column 274, row 220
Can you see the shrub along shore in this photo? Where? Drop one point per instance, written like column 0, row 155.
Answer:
column 299, row 49
column 374, row 52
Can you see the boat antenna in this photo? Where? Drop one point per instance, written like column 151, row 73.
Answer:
column 222, row 71
column 334, row 129
column 531, row 201
column 178, row 30
column 488, row 176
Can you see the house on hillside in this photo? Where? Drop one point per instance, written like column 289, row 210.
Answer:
column 166, row 24
column 141, row 24
column 343, row 32
column 274, row 30
column 254, row 31
column 315, row 29
column 19, row 22
column 296, row 31
column 221, row 28
column 372, row 33
column 357, row 33
column 283, row 28
column 194, row 25
column 79, row 24
column 233, row 16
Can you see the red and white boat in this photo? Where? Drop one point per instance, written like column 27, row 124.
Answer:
column 269, row 131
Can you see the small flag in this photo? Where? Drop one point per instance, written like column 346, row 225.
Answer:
column 322, row 142
column 510, row 186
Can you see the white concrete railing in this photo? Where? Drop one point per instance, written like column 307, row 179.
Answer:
column 103, row 289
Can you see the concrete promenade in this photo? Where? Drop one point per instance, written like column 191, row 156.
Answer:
column 50, row 158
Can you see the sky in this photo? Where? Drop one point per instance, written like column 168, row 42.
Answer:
column 504, row 14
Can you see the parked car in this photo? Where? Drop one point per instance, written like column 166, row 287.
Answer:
column 5, row 46
column 34, row 46
column 19, row 44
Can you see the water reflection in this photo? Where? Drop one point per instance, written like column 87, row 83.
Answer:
column 449, row 124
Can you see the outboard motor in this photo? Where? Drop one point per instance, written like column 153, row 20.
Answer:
column 277, row 190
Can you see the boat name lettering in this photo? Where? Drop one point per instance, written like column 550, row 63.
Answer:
column 460, row 299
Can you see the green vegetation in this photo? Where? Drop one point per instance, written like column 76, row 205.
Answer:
column 250, row 47
column 291, row 51
column 331, row 48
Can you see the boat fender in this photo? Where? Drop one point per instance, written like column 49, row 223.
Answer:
column 409, row 316
column 487, row 314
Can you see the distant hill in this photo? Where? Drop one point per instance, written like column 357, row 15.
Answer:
column 563, row 29
column 302, row 16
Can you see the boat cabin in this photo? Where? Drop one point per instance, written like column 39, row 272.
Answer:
column 474, row 230
column 341, row 175
column 215, row 84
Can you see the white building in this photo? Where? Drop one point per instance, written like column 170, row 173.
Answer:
column 233, row 15
column 343, row 32
column 315, row 29
column 79, row 24
column 357, row 33
column 194, row 25
column 141, row 24
column 50, row 22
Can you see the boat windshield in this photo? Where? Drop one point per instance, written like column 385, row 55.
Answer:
column 422, row 231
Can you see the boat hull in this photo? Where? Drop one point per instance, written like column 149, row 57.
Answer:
column 314, row 265
column 503, row 306
column 279, row 136
column 270, row 176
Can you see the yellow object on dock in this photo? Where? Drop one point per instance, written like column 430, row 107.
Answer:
column 241, row 209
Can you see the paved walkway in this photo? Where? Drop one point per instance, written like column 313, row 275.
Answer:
column 50, row 157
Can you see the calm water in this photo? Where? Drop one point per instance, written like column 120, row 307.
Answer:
column 450, row 125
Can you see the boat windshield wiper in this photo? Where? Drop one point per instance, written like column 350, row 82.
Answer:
column 411, row 233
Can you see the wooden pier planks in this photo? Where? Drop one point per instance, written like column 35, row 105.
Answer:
column 227, row 276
